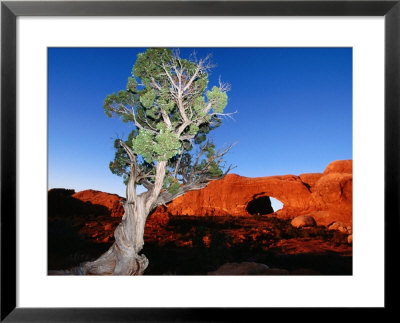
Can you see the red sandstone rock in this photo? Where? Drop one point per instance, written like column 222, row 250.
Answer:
column 303, row 221
column 326, row 197
column 110, row 201
column 333, row 192
column 339, row 226
column 310, row 179
column 350, row 239
column 340, row 166
column 231, row 195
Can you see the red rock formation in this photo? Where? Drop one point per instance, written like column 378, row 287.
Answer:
column 110, row 201
column 310, row 179
column 333, row 197
column 231, row 195
column 340, row 166
column 327, row 197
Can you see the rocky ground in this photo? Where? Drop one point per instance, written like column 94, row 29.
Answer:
column 194, row 245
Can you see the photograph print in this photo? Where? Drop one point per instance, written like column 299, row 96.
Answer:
column 200, row 161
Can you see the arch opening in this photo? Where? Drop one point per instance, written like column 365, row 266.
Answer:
column 263, row 205
column 276, row 204
column 260, row 206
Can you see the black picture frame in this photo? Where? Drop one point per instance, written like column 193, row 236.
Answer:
column 10, row 10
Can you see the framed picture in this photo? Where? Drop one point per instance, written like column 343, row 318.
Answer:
column 368, row 30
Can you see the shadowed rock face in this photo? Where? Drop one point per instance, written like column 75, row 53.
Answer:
column 327, row 197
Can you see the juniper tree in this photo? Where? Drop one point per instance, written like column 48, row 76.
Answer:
column 172, row 108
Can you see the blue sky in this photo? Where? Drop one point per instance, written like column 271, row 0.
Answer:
column 294, row 110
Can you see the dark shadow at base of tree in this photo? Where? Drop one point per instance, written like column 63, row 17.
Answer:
column 68, row 248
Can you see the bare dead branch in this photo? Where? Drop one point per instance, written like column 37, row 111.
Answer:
column 177, row 164
column 166, row 118
column 154, row 83
column 169, row 76
column 223, row 86
column 147, row 184
column 129, row 151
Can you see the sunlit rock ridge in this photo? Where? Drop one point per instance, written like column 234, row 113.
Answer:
column 326, row 196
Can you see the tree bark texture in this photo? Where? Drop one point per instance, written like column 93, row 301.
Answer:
column 123, row 256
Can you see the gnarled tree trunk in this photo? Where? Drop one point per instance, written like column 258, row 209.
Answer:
column 123, row 256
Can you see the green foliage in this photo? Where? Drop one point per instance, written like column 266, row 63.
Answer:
column 218, row 98
column 210, row 151
column 143, row 145
column 148, row 101
column 167, row 145
column 215, row 170
column 119, row 165
column 148, row 65
column 132, row 84
column 161, row 147
column 116, row 104
column 168, row 106
column 199, row 105
column 174, row 188
column 193, row 129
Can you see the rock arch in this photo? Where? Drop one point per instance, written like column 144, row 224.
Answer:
column 231, row 195
column 327, row 196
